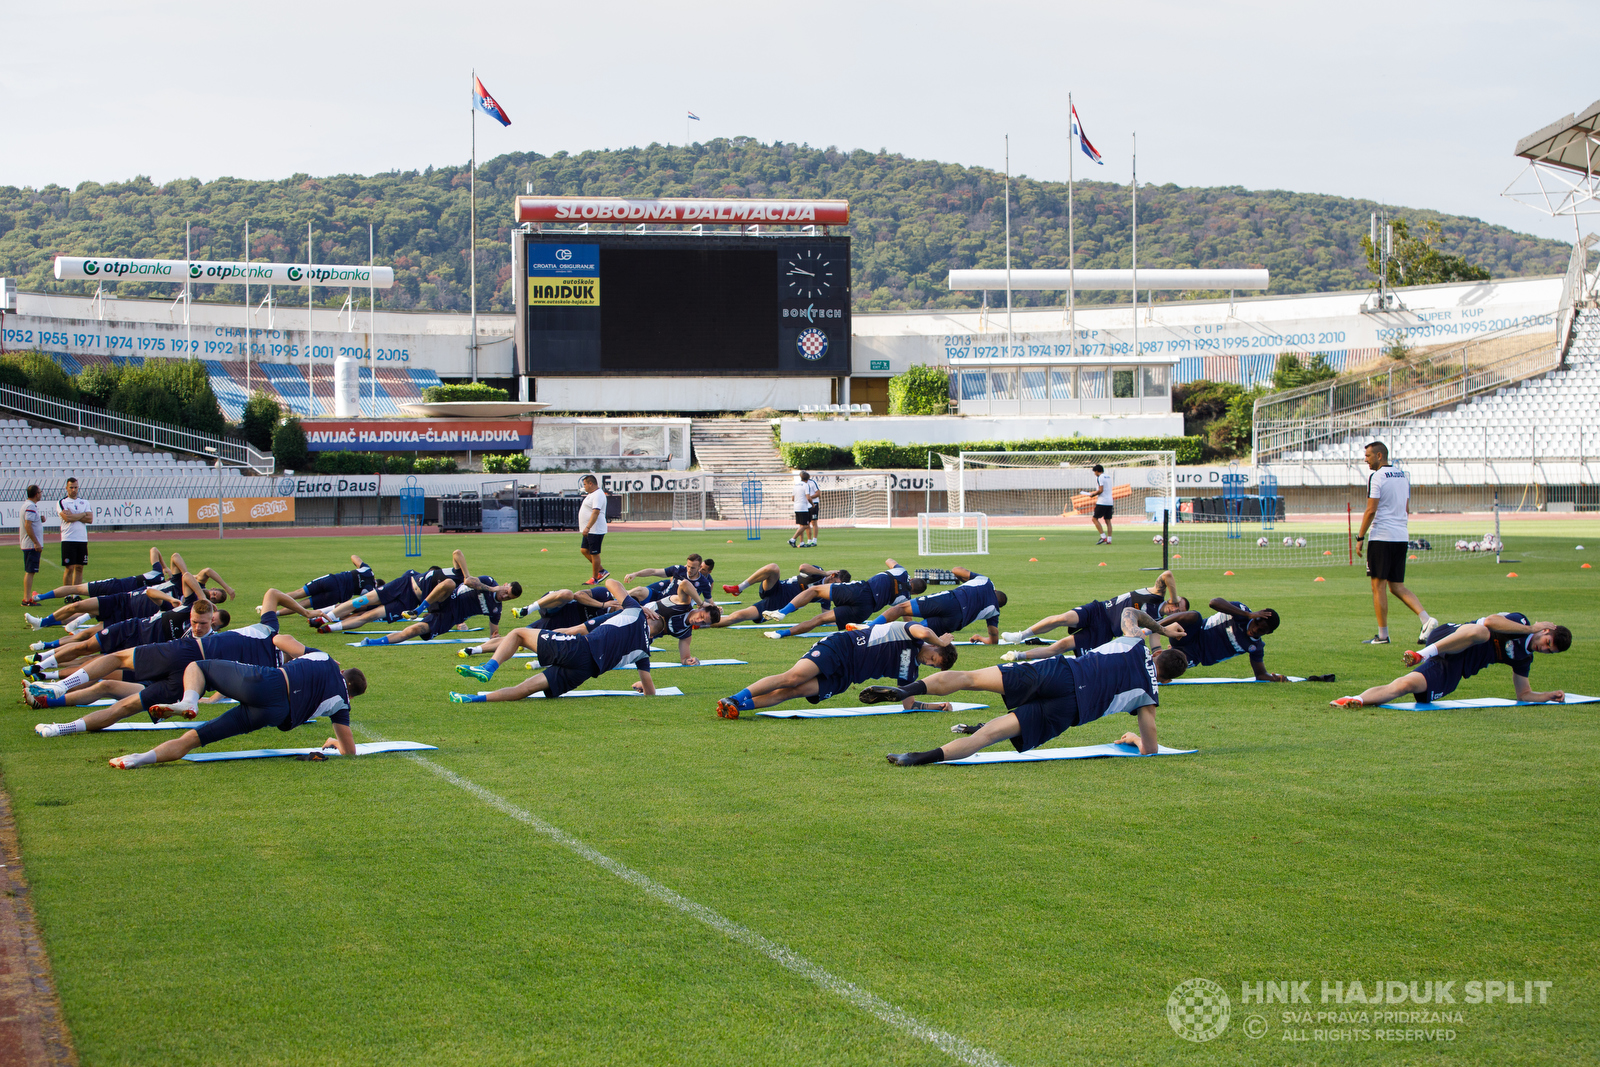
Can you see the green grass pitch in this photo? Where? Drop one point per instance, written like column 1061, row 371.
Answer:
column 371, row 911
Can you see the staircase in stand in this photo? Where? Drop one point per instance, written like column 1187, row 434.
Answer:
column 730, row 449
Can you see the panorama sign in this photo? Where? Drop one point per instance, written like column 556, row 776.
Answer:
column 111, row 269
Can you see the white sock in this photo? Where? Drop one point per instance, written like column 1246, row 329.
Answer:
column 53, row 676
column 139, row 759
column 1383, row 631
column 743, row 586
column 191, row 698
column 76, row 726
column 1422, row 613
column 473, row 650
column 76, row 679
column 49, row 662
column 335, row 625
column 1431, row 651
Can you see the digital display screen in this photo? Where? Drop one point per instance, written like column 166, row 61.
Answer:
column 657, row 304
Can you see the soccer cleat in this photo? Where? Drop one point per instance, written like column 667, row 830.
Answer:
column 47, row 689
column 1015, row 637
column 33, row 621
column 316, row 622
column 1346, row 702
column 880, row 694
column 47, row 729
column 462, row 652
column 1375, row 639
column 1108, row 539
column 166, row 711
column 792, row 544
column 473, row 670
column 1429, row 625
column 776, row 635
column 523, row 612
column 33, row 671
column 1410, row 658
column 600, row 578
column 1102, row 540
column 30, row 601
column 39, row 646
column 900, row 759
column 1011, row 657
column 731, row 590
column 966, row 728
column 460, row 698
column 855, row 626
column 727, row 709
column 773, row 616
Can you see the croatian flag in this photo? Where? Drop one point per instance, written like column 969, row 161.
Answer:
column 1077, row 130
column 694, row 116
column 488, row 104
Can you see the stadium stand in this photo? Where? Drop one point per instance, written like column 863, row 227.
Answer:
column 232, row 381
column 1556, row 415
column 47, row 456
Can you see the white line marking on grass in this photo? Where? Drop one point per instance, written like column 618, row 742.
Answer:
column 780, row 954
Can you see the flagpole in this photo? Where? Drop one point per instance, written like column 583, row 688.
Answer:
column 247, row 384
column 1008, row 245
column 311, row 337
column 1136, row 246
column 1072, row 262
column 472, row 248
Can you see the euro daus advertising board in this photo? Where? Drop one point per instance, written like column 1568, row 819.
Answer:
column 682, row 304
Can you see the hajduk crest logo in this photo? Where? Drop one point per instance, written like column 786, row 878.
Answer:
column 812, row 344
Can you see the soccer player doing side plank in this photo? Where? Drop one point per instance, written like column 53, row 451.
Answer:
column 775, row 591
column 1457, row 652
column 852, row 601
column 974, row 600
column 309, row 687
column 1232, row 631
column 891, row 650
column 568, row 659
column 1050, row 697
column 1159, row 599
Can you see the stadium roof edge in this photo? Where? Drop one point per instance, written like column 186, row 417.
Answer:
column 1548, row 146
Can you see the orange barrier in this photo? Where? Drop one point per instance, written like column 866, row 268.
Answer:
column 1083, row 504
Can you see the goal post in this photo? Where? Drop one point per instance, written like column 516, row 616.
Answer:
column 950, row 533
column 1057, row 485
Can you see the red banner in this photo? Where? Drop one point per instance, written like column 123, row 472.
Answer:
column 618, row 209
column 420, row 435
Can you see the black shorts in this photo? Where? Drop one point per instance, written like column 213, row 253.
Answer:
column 592, row 542
column 814, row 512
column 326, row 591
column 852, row 603
column 1104, row 511
column 170, row 657
column 802, row 518
column 112, row 586
column 1043, row 695
column 74, row 553
column 566, row 661
column 1386, row 560
column 262, row 693
column 940, row 612
column 1443, row 675
column 833, row 677
column 30, row 560
column 120, row 606
column 120, row 635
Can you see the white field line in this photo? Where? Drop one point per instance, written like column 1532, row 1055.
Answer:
column 780, row 954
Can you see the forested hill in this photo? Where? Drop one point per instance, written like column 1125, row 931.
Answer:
column 914, row 220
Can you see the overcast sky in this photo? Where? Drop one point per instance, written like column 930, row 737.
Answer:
column 1417, row 104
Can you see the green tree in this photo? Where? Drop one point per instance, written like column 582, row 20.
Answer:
column 1291, row 372
column 921, row 390
column 43, row 375
column 1418, row 260
column 289, row 447
column 261, row 414
column 98, row 383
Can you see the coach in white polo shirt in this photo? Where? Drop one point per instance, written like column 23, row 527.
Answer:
column 1386, row 541
column 75, row 516
column 592, row 527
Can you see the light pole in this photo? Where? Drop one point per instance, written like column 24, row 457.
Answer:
column 213, row 451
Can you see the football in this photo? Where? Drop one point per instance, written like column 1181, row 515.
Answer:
column 1299, row 542
column 1261, row 542
column 1288, row 542
column 1156, row 539
column 1172, row 540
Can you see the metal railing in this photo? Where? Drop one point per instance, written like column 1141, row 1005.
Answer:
column 1304, row 418
column 154, row 434
column 1576, row 289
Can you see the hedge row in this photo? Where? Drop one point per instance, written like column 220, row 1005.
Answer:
column 377, row 463
column 886, row 455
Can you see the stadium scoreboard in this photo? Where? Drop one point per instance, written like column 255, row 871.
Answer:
column 662, row 303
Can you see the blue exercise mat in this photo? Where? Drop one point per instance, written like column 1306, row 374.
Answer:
column 106, row 702
column 663, row 691
column 654, row 665
column 415, row 642
column 1489, row 702
column 381, row 633
column 869, row 709
column 1083, row 752
column 366, row 748
column 1227, row 681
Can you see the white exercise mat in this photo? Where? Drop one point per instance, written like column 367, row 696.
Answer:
column 366, row 748
column 1489, row 702
column 661, row 691
column 415, row 642
column 165, row 724
column 854, row 713
column 1226, row 681
column 1083, row 752
column 106, row 702
column 380, row 633
column 655, row 665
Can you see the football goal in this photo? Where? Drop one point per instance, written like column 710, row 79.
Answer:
column 1056, row 485
column 949, row 533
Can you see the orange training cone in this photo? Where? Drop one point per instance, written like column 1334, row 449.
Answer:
column 1513, row 574
column 1319, row 578
column 1584, row 567
column 1102, row 563
column 1041, row 539
column 1225, row 573
column 1035, row 559
column 544, row 550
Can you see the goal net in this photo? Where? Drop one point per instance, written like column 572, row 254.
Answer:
column 1057, row 485
column 949, row 533
column 853, row 500
column 1194, row 546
